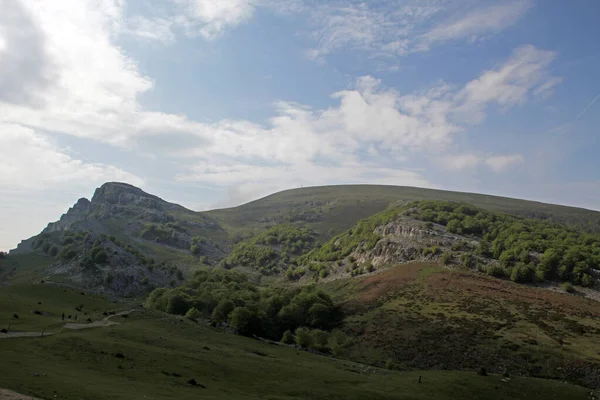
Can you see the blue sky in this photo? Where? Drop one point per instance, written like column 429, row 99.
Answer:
column 214, row 103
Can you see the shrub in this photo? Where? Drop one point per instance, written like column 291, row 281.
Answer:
column 222, row 310
column 446, row 258
column 568, row 287
column 303, row 337
column 522, row 273
column 193, row 314
column 495, row 271
column 467, row 260
column 288, row 337
column 369, row 267
column 320, row 339
column 587, row 280
column 101, row 257
column 242, row 319
column 53, row 251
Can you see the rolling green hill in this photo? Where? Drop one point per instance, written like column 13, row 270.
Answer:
column 332, row 209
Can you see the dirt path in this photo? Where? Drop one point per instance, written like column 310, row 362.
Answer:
column 23, row 334
column 6, row 394
column 98, row 324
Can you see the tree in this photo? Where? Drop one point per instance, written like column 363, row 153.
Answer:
column 288, row 337
column 320, row 339
column 193, row 314
column 101, row 257
column 522, row 273
column 222, row 310
column 547, row 268
column 303, row 337
column 454, row 226
column 483, row 249
column 177, row 303
column 242, row 319
column 53, row 251
column 587, row 280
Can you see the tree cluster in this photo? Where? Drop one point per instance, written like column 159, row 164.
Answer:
column 528, row 249
column 272, row 251
column 229, row 297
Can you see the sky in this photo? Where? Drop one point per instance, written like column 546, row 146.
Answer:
column 213, row 103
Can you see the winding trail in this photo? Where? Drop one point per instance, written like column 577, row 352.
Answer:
column 98, row 324
column 10, row 395
column 9, row 335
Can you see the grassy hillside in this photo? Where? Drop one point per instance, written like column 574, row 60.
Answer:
column 152, row 355
column 424, row 316
column 503, row 245
column 332, row 209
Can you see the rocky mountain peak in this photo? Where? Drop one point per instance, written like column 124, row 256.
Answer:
column 118, row 193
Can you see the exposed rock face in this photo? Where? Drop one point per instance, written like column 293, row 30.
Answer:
column 402, row 240
column 75, row 214
column 121, row 275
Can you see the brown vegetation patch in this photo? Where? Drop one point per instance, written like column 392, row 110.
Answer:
column 449, row 284
column 376, row 286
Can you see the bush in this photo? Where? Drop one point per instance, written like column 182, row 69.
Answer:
column 446, row 258
column 467, row 260
column 587, row 280
column 67, row 253
column 53, row 251
column 522, row 273
column 496, row 271
column 242, row 319
column 568, row 287
column 320, row 339
column 193, row 314
column 369, row 267
column 288, row 337
column 303, row 337
column 101, row 257
column 222, row 310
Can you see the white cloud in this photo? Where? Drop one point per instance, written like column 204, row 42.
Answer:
column 473, row 25
column 159, row 29
column 250, row 181
column 210, row 18
column 500, row 163
column 461, row 161
column 30, row 160
column 383, row 31
column 524, row 75
column 398, row 28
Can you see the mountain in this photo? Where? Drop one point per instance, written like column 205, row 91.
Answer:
column 393, row 278
column 137, row 231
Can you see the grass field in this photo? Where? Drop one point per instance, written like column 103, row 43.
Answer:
column 424, row 316
column 161, row 353
column 333, row 209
